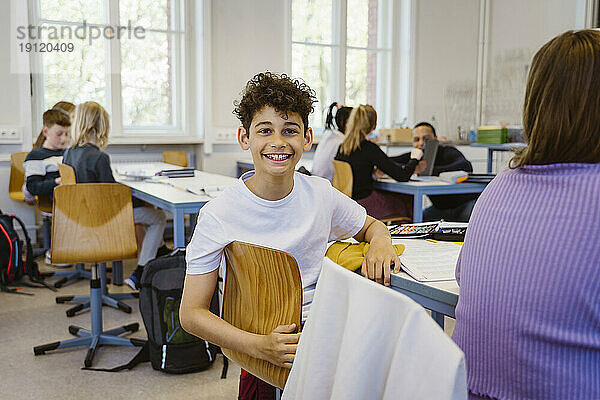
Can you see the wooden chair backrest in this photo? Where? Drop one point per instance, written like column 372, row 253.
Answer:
column 262, row 291
column 67, row 174
column 342, row 177
column 92, row 222
column 175, row 158
column 17, row 175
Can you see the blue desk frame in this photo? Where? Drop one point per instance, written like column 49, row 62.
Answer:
column 178, row 211
column 497, row 147
column 418, row 190
column 439, row 301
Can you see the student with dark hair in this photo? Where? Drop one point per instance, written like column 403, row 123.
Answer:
column 41, row 164
column 363, row 156
column 529, row 271
column 276, row 207
column 456, row 207
column 335, row 123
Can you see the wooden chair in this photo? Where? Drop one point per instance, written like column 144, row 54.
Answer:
column 175, row 158
column 17, row 175
column 262, row 290
column 93, row 223
column 67, row 174
column 342, row 177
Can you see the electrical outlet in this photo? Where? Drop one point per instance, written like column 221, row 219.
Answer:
column 10, row 134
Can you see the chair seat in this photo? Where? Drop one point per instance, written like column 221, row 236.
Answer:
column 18, row 196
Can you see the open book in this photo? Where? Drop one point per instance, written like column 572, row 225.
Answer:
column 428, row 261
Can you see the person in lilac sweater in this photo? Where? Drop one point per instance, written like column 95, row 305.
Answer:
column 528, row 317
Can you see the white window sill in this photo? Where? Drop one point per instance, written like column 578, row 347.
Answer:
column 117, row 140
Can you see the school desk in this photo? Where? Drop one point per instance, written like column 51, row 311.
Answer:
column 439, row 297
column 491, row 148
column 179, row 196
column 420, row 189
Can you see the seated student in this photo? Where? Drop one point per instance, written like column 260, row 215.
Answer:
column 529, row 272
column 92, row 165
column 363, row 156
column 63, row 105
column 328, row 147
column 41, row 164
column 274, row 206
column 456, row 207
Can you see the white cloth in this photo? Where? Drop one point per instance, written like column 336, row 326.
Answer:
column 300, row 224
column 366, row 341
column 153, row 239
column 325, row 154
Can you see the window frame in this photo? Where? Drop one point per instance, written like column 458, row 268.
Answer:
column 395, row 107
column 183, row 72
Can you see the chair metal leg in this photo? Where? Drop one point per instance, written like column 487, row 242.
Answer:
column 67, row 276
column 95, row 337
column 112, row 300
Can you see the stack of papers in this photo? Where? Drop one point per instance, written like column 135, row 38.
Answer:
column 428, row 261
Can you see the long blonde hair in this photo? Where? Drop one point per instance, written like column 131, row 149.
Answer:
column 51, row 119
column 362, row 121
column 92, row 124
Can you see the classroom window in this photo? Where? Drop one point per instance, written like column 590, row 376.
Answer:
column 343, row 49
column 137, row 75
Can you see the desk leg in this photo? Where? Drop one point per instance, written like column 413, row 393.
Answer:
column 490, row 160
column 178, row 229
column 418, row 208
column 438, row 318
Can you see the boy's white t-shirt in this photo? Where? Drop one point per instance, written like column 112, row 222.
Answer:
column 300, row 224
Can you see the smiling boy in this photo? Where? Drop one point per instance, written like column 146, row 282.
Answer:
column 273, row 206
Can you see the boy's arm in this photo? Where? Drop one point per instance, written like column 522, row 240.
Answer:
column 278, row 347
column 381, row 255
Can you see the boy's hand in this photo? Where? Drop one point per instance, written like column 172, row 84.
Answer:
column 57, row 180
column 279, row 346
column 421, row 167
column 378, row 261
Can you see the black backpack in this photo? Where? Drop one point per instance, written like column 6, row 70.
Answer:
column 169, row 348
column 12, row 266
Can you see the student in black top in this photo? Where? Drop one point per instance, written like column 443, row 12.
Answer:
column 363, row 156
column 456, row 207
column 92, row 165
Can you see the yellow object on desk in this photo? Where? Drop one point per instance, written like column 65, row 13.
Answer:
column 351, row 255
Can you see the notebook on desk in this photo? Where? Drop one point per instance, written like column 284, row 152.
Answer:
column 428, row 261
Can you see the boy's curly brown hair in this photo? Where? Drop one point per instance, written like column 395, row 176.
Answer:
column 281, row 92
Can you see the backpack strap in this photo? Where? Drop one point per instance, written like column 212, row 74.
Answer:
column 142, row 356
column 31, row 268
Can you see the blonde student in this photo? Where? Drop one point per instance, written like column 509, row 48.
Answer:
column 92, row 165
column 276, row 207
column 364, row 156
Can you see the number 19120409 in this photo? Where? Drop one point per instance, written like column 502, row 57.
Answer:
column 48, row 47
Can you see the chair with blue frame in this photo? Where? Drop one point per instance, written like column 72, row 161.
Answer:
column 93, row 223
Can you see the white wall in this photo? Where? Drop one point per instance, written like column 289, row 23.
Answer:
column 445, row 65
column 15, row 110
column 446, row 48
column 247, row 37
column 517, row 29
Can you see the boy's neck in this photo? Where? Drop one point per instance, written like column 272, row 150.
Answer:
column 270, row 187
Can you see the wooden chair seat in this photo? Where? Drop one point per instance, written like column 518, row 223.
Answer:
column 262, row 290
column 17, row 176
column 175, row 158
column 67, row 174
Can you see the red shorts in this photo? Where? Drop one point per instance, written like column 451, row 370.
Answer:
column 252, row 388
